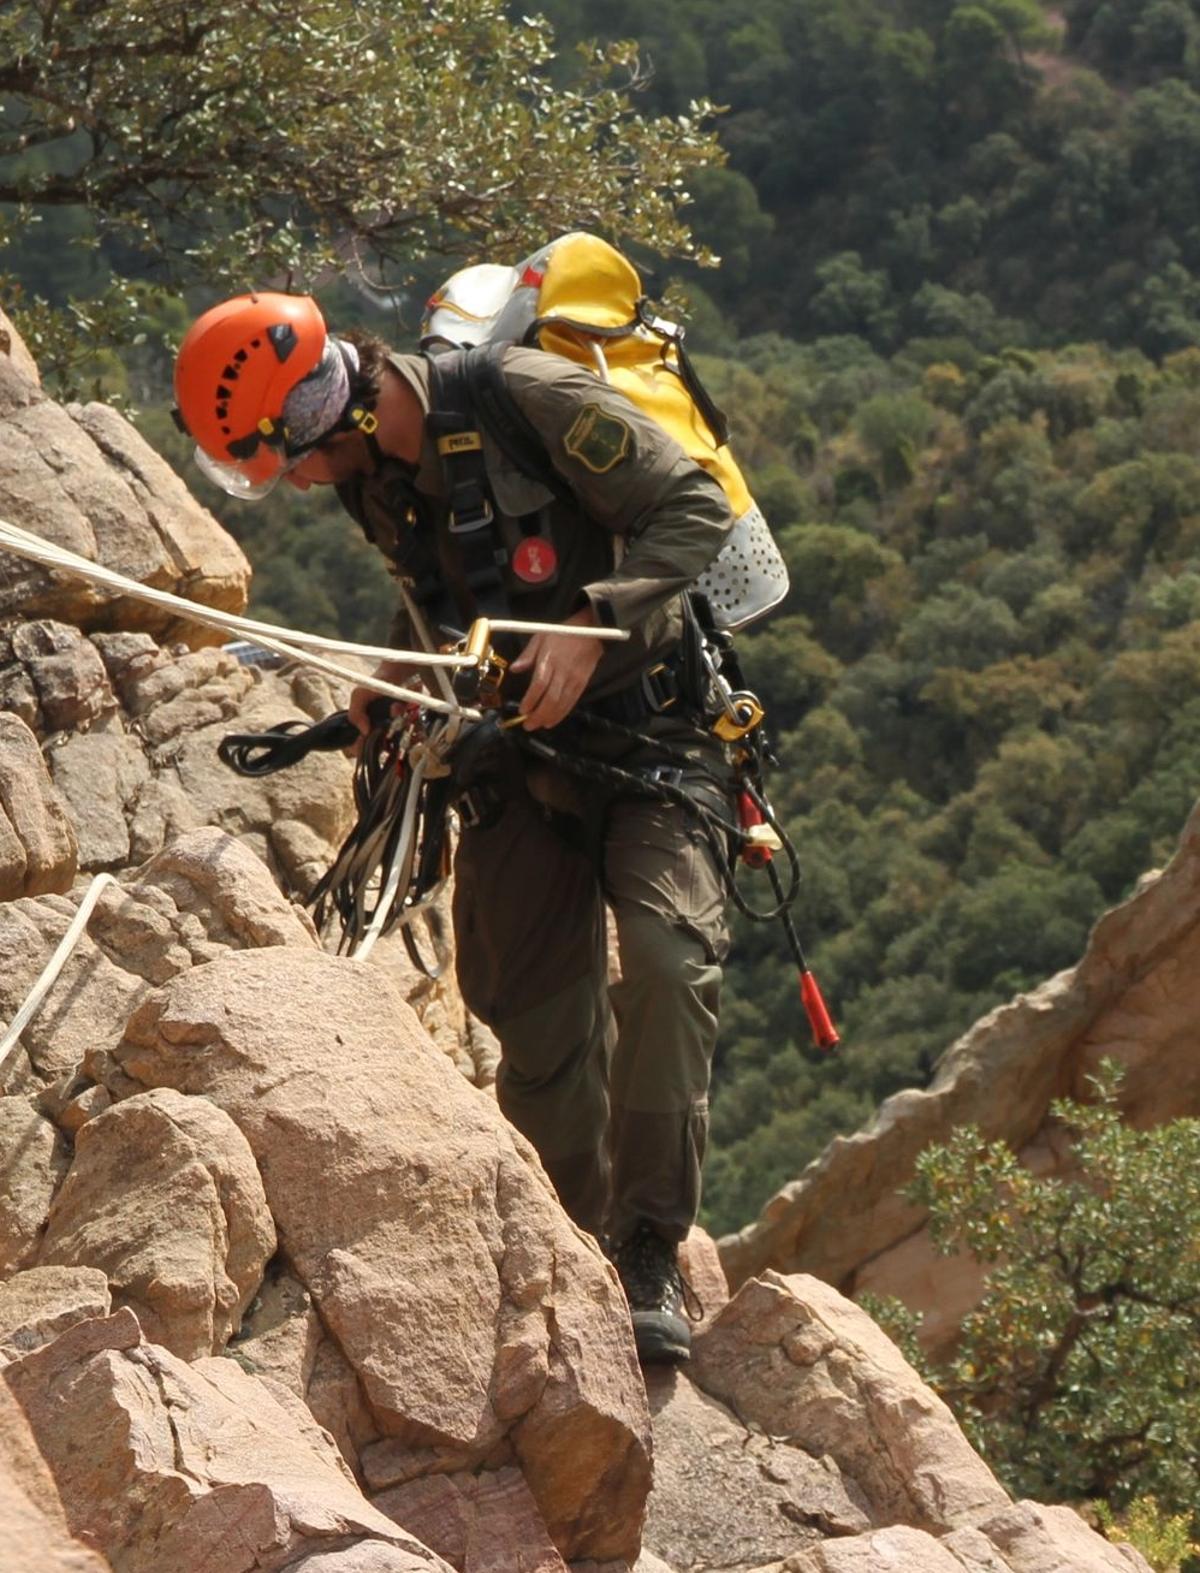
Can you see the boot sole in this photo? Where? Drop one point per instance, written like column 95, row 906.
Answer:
column 661, row 1339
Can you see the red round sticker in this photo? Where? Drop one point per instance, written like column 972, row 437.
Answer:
column 535, row 560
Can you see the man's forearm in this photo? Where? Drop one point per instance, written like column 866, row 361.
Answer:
column 680, row 538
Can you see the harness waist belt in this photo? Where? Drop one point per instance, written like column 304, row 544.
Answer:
column 659, row 690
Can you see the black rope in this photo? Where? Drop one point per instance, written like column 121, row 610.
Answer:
column 382, row 784
column 263, row 753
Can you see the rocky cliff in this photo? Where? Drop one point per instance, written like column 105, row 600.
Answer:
column 279, row 1288
column 1134, row 997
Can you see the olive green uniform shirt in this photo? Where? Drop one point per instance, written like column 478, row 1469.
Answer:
column 649, row 520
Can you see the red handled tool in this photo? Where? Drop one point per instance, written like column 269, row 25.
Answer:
column 758, row 850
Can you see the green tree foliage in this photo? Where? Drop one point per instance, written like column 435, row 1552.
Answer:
column 919, row 165
column 1164, row 1539
column 235, row 145
column 1078, row 1375
column 983, row 691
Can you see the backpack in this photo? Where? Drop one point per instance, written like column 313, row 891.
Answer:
column 579, row 297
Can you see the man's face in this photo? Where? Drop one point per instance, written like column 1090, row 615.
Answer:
column 334, row 461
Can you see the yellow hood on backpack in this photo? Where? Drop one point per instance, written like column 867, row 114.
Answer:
column 588, row 296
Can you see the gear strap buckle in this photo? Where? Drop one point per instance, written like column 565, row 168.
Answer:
column 662, row 775
column 660, row 688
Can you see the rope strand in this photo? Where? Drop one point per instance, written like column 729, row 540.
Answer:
column 294, row 644
column 50, row 972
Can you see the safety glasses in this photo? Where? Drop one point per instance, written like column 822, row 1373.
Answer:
column 243, row 478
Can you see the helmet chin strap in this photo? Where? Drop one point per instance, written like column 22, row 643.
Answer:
column 378, row 457
column 358, row 416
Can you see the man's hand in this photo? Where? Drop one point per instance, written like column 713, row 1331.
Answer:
column 562, row 666
column 389, row 672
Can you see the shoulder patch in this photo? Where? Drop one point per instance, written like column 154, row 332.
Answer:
column 598, row 439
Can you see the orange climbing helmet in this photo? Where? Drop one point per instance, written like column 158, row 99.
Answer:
column 259, row 383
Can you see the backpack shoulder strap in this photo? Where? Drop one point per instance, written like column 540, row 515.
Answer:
column 505, row 422
column 472, row 524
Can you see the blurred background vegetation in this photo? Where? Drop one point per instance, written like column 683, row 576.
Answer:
column 957, row 324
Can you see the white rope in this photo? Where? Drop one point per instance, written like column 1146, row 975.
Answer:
column 511, row 625
column 419, row 626
column 401, row 863
column 50, row 972
column 283, row 641
column 369, row 680
column 25, row 544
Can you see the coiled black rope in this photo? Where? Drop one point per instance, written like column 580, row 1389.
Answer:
column 263, row 753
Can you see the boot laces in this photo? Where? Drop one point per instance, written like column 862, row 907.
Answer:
column 648, row 1267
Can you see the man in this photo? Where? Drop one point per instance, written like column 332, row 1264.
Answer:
column 611, row 1087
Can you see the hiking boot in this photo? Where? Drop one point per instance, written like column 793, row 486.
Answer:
column 649, row 1272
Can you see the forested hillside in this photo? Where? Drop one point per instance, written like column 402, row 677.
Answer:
column 957, row 324
column 1003, row 168
column 986, row 687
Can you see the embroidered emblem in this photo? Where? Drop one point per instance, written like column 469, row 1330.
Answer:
column 599, row 440
column 535, row 560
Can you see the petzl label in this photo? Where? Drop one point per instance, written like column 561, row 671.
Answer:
column 598, row 439
column 534, row 560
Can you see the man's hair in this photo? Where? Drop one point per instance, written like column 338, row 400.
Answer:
column 372, row 359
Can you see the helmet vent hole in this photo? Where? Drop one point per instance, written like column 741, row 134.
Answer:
column 223, row 394
column 256, row 344
column 283, row 339
column 239, row 356
column 230, row 374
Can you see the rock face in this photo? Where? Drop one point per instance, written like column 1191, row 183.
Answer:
column 729, row 1497
column 38, row 849
column 37, row 1305
column 806, row 1363
column 132, row 730
column 1135, row 997
column 479, row 1322
column 485, row 1523
column 206, row 894
column 203, row 1467
column 34, row 1537
column 869, row 1468
column 82, row 478
column 33, row 1162
column 165, row 1198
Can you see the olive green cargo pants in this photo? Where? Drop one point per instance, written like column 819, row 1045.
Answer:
column 610, row 1085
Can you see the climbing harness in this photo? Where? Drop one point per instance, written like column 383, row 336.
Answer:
column 409, row 776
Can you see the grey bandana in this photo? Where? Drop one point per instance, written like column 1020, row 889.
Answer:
column 315, row 406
